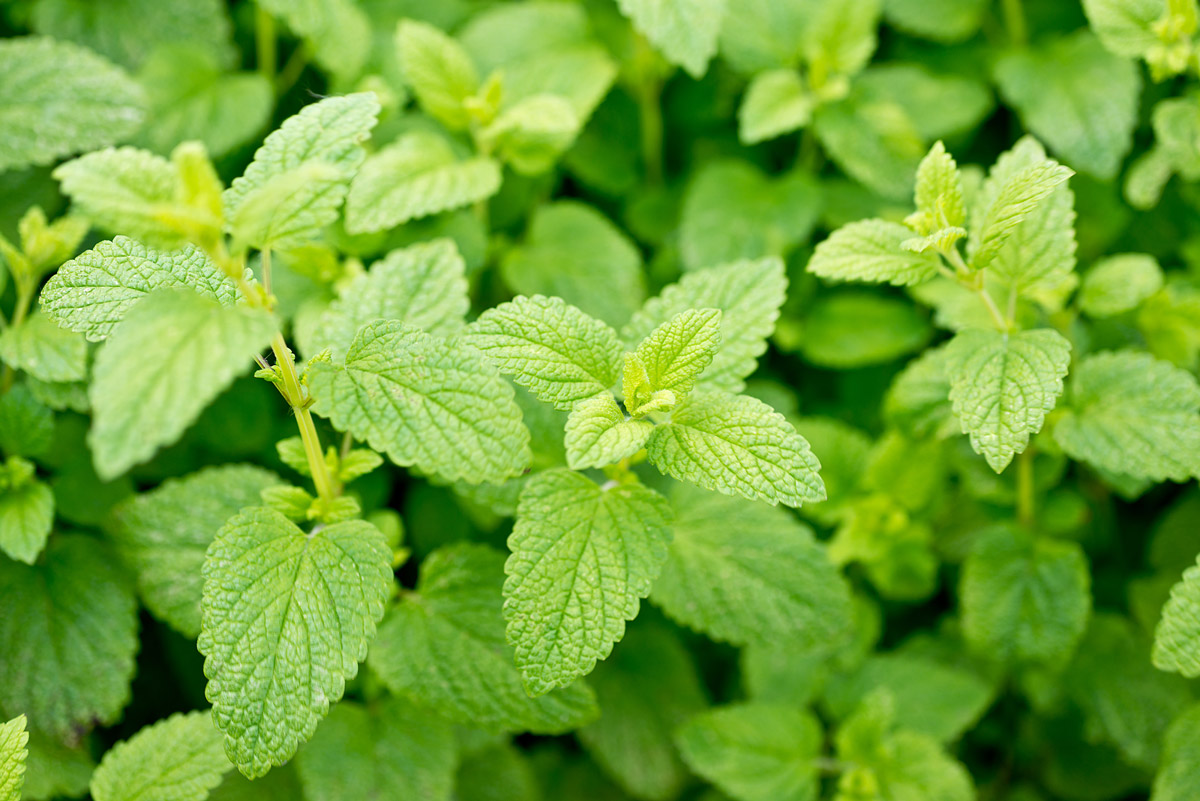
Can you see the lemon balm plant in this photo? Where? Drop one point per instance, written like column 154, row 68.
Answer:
column 772, row 400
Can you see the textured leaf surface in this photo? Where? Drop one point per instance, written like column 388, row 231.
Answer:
column 599, row 433
column 93, row 292
column 45, row 351
column 423, row 285
column 180, row 758
column 684, row 30
column 124, row 190
column 1178, row 777
column 68, row 656
column 582, row 558
column 557, row 351
column 646, row 689
column 744, row 573
column 755, row 752
column 287, row 616
column 1130, row 413
column 59, row 98
column 737, row 445
column 26, row 516
column 13, row 753
column 679, row 350
column 1177, row 638
column 444, row 647
column 425, row 402
column 392, row 749
column 575, row 253
column 1018, row 188
column 1002, row 385
column 870, row 250
column 748, row 295
column 1077, row 97
column 163, row 534
column 1038, row 252
column 1024, row 599
column 169, row 358
column 325, row 137
column 415, row 176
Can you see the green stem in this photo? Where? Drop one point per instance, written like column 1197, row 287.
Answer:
column 326, row 489
column 649, row 97
column 1025, row 493
column 993, row 309
column 1014, row 22
column 291, row 71
column 265, row 255
column 266, row 53
column 25, row 292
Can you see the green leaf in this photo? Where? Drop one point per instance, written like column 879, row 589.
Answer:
column 938, row 699
column 170, row 357
column 192, row 98
column 745, row 573
column 423, row 285
column 68, row 656
column 840, row 35
column 58, row 99
column 1118, row 284
column 853, row 328
column 1018, row 188
column 755, row 752
column 599, row 433
column 46, row 245
column 748, row 295
column 874, row 139
column 765, row 34
column 937, row 105
column 1177, row 638
column 426, row 402
column 737, row 445
column 129, row 31
column 1132, row 414
column 45, row 351
column 946, row 21
column 163, row 535
column 1076, row 96
column 1125, row 701
column 557, row 351
column 299, row 177
column 93, row 292
column 1176, row 128
column 335, row 31
column 414, row 177
column 1024, row 599
column 776, row 102
column 392, row 749
column 733, row 211
column 646, row 689
column 1126, row 27
column 918, row 402
column 438, row 70
column 679, row 350
column 582, row 558
column 26, row 517
column 125, row 190
column 13, row 753
column 1003, row 384
column 939, row 193
column 684, row 31
column 541, row 48
column 280, row 639
column 871, row 250
column 1169, row 321
column 26, row 425
column 1035, row 248
column 179, row 758
column 531, row 135
column 1178, row 777
column 444, row 647
column 575, row 253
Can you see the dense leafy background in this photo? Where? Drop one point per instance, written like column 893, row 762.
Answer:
column 966, row 615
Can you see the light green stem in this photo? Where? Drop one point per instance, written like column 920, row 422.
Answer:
column 649, row 97
column 1014, row 23
column 1025, row 493
column 296, row 396
column 265, row 43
